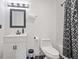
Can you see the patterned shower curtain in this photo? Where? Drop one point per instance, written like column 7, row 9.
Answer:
column 70, row 39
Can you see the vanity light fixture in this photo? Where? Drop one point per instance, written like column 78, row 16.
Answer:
column 20, row 5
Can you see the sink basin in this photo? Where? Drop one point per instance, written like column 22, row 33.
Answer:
column 13, row 38
column 14, row 35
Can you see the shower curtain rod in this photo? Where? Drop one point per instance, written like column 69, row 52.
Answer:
column 63, row 3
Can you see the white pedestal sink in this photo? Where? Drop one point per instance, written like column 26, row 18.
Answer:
column 15, row 46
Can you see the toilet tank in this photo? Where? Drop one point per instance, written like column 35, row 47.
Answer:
column 45, row 42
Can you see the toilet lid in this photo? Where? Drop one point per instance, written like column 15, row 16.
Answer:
column 51, row 50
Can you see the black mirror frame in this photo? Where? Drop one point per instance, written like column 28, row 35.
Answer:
column 11, row 26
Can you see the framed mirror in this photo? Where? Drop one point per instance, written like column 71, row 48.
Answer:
column 17, row 18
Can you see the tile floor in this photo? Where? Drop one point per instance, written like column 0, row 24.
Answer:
column 42, row 57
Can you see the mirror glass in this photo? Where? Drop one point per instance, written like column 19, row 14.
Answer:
column 17, row 18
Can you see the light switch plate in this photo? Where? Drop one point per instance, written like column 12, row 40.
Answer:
column 0, row 26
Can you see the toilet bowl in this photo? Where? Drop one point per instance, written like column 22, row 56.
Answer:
column 48, row 50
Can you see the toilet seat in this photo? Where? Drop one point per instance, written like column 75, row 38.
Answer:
column 48, row 50
column 51, row 52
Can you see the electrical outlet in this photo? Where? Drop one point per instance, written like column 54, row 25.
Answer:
column 0, row 26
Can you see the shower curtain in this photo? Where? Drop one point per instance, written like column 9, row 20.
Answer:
column 70, row 36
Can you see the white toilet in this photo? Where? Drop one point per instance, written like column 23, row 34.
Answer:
column 48, row 50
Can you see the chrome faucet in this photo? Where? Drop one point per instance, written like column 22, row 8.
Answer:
column 18, row 32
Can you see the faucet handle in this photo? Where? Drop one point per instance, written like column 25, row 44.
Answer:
column 18, row 33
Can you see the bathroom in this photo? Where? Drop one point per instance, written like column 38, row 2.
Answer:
column 43, row 19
